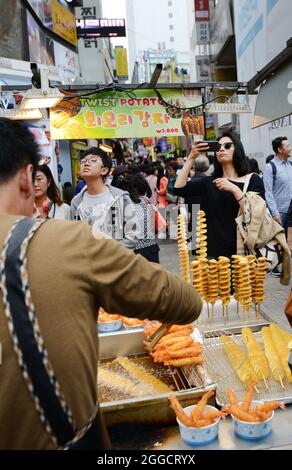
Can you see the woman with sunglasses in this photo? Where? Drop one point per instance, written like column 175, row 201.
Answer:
column 222, row 193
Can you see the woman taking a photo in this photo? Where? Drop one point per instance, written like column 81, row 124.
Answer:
column 48, row 201
column 222, row 193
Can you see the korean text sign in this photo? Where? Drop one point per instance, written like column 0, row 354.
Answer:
column 119, row 114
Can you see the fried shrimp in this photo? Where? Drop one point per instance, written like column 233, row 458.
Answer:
column 177, row 408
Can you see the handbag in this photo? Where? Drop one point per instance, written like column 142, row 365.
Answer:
column 270, row 249
column 171, row 198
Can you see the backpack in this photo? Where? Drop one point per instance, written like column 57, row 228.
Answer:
column 274, row 169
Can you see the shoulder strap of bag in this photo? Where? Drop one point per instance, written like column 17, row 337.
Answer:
column 274, row 169
column 26, row 336
column 30, row 349
column 246, row 183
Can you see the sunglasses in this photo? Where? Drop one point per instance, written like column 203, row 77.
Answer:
column 225, row 145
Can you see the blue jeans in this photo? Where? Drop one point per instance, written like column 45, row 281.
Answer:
column 284, row 221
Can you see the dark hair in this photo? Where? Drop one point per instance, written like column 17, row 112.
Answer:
column 160, row 175
column 18, row 148
column 67, row 184
column 240, row 161
column 129, row 183
column 149, row 170
column 202, row 165
column 105, row 158
column 254, row 166
column 53, row 190
column 277, row 143
column 270, row 157
column 172, row 164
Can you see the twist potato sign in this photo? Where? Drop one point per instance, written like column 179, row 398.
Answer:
column 119, row 114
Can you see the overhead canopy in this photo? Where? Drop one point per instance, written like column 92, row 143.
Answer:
column 275, row 97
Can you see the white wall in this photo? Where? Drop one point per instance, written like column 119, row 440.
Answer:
column 262, row 28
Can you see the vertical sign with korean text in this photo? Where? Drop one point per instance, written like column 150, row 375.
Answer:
column 202, row 10
column 121, row 62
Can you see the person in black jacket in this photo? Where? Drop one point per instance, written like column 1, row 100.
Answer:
column 222, row 193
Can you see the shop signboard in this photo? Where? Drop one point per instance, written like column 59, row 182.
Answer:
column 203, row 68
column 121, row 62
column 202, row 32
column 202, row 10
column 64, row 23
column 118, row 115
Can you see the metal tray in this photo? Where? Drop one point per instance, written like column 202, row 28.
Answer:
column 217, row 361
column 188, row 384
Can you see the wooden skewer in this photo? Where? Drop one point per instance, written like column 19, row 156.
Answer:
column 237, row 308
column 212, row 312
column 266, row 385
column 259, row 311
column 255, row 310
column 223, row 312
column 243, row 313
column 208, row 311
column 282, row 385
column 256, row 389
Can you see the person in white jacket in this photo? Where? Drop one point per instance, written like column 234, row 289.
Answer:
column 106, row 208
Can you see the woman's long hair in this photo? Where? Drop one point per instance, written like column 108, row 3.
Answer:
column 53, row 191
column 240, row 161
column 160, row 175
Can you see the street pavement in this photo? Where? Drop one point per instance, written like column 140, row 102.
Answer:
column 275, row 296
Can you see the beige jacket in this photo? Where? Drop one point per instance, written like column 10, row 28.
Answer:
column 71, row 275
column 256, row 227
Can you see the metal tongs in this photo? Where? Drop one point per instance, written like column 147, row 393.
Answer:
column 153, row 339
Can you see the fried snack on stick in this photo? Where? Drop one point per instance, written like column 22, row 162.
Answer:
column 272, row 355
column 282, row 349
column 239, row 361
column 256, row 356
column 177, row 328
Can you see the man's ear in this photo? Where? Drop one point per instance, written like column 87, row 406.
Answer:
column 26, row 181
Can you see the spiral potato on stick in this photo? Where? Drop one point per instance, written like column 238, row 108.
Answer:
column 183, row 253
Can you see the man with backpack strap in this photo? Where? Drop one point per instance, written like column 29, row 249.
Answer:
column 278, row 181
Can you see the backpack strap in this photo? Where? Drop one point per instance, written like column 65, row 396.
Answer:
column 28, row 342
column 274, row 169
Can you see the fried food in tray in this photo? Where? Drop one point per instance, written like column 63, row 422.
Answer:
column 103, row 316
column 177, row 348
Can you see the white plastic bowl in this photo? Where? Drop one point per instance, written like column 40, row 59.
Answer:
column 109, row 326
column 253, row 431
column 199, row 436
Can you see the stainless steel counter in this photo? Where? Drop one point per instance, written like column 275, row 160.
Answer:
column 169, row 438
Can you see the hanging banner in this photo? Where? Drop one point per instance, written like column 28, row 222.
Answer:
column 202, row 10
column 121, row 62
column 139, row 113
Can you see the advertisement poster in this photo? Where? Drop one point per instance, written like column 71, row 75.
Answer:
column 120, row 114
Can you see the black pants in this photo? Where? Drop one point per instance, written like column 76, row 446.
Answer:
column 149, row 252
